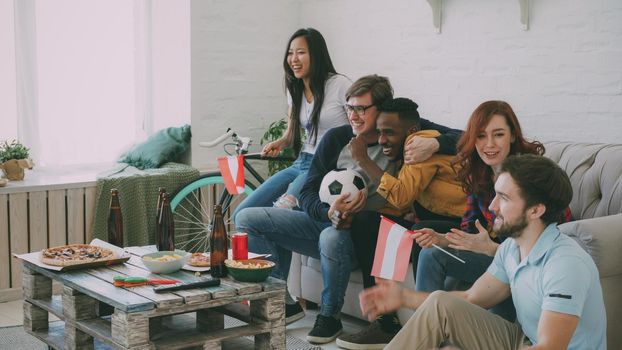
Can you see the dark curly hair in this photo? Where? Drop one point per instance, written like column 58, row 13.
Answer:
column 405, row 108
column 475, row 175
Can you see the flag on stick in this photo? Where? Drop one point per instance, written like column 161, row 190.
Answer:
column 232, row 171
column 392, row 251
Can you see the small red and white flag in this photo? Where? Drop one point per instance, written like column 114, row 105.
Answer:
column 392, row 251
column 232, row 171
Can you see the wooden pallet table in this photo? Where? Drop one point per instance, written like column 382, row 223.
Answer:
column 141, row 319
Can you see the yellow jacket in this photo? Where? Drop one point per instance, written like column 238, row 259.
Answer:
column 432, row 183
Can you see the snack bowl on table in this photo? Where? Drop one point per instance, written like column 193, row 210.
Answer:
column 165, row 261
column 249, row 270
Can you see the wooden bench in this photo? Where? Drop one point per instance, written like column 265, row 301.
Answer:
column 142, row 319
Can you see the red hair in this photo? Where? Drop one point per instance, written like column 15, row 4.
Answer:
column 475, row 175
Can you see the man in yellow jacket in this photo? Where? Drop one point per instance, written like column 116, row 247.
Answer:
column 429, row 188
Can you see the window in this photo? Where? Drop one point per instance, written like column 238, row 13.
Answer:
column 8, row 106
column 90, row 82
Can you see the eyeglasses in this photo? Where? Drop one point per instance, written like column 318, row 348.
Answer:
column 360, row 110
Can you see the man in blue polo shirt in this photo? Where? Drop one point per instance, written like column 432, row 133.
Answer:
column 554, row 283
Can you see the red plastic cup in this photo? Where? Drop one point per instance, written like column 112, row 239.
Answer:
column 239, row 246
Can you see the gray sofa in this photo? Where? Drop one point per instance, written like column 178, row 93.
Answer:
column 595, row 171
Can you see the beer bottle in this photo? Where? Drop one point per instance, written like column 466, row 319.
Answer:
column 165, row 226
column 218, row 247
column 161, row 191
column 115, row 220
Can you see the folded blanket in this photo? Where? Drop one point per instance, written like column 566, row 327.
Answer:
column 138, row 193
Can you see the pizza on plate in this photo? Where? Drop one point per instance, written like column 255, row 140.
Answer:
column 199, row 259
column 75, row 254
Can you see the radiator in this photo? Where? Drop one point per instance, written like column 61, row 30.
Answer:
column 34, row 218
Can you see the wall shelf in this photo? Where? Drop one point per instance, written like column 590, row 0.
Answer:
column 524, row 13
column 437, row 6
column 437, row 13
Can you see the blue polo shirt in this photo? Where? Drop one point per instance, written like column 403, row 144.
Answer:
column 557, row 275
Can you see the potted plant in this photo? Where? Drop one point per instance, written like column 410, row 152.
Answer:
column 274, row 132
column 14, row 159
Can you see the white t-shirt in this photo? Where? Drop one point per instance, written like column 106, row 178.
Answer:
column 332, row 114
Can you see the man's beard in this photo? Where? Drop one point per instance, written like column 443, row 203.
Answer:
column 513, row 230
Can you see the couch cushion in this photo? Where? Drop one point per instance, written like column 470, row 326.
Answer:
column 602, row 239
column 595, row 171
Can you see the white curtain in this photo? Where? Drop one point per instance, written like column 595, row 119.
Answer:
column 8, row 91
column 84, row 78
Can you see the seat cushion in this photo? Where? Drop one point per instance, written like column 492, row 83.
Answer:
column 602, row 239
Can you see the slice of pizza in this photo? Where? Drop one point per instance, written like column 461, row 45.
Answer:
column 75, row 254
column 199, row 260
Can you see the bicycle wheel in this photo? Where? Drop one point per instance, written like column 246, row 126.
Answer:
column 193, row 207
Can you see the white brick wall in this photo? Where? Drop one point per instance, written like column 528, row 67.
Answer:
column 563, row 76
column 237, row 74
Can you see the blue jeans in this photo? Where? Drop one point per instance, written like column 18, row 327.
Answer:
column 289, row 180
column 280, row 232
column 434, row 266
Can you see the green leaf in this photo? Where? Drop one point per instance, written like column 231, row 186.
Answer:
column 13, row 150
column 274, row 131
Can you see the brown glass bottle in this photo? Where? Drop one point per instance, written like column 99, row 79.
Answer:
column 165, row 226
column 161, row 191
column 218, row 246
column 115, row 220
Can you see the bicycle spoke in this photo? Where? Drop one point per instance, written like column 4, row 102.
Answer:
column 202, row 243
column 193, row 233
column 192, row 206
column 188, row 220
column 193, row 212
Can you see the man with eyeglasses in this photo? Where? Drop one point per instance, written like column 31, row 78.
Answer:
column 322, row 231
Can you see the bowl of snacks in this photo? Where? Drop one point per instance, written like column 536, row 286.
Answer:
column 165, row 261
column 249, row 270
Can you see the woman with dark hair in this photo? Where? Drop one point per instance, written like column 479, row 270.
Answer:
column 493, row 133
column 316, row 99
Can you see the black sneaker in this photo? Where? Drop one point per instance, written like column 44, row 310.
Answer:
column 293, row 313
column 325, row 330
column 372, row 337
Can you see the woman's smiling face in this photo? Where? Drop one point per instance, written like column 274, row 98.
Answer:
column 298, row 58
column 493, row 143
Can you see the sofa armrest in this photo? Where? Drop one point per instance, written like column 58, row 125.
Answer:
column 602, row 238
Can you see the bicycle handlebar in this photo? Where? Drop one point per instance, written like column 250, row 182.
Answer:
column 259, row 156
column 241, row 145
column 218, row 140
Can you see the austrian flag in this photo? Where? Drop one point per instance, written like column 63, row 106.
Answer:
column 392, row 251
column 232, row 171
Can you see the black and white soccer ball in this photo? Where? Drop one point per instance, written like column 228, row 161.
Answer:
column 341, row 181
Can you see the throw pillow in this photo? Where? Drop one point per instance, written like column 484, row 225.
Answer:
column 600, row 237
column 166, row 145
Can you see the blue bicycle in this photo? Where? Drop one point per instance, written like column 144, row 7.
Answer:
column 192, row 205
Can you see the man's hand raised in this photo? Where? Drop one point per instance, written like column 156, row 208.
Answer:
column 420, row 149
column 358, row 148
column 477, row 243
column 384, row 297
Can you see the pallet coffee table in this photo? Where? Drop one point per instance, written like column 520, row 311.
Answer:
column 142, row 319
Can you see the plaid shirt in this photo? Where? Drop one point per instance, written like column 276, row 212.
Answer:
column 477, row 209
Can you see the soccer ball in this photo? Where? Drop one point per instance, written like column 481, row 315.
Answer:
column 340, row 181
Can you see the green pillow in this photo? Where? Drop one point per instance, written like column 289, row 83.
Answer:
column 166, row 145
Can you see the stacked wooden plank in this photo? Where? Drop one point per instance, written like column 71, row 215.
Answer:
column 142, row 319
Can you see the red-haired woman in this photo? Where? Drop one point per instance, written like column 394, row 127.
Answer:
column 492, row 134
